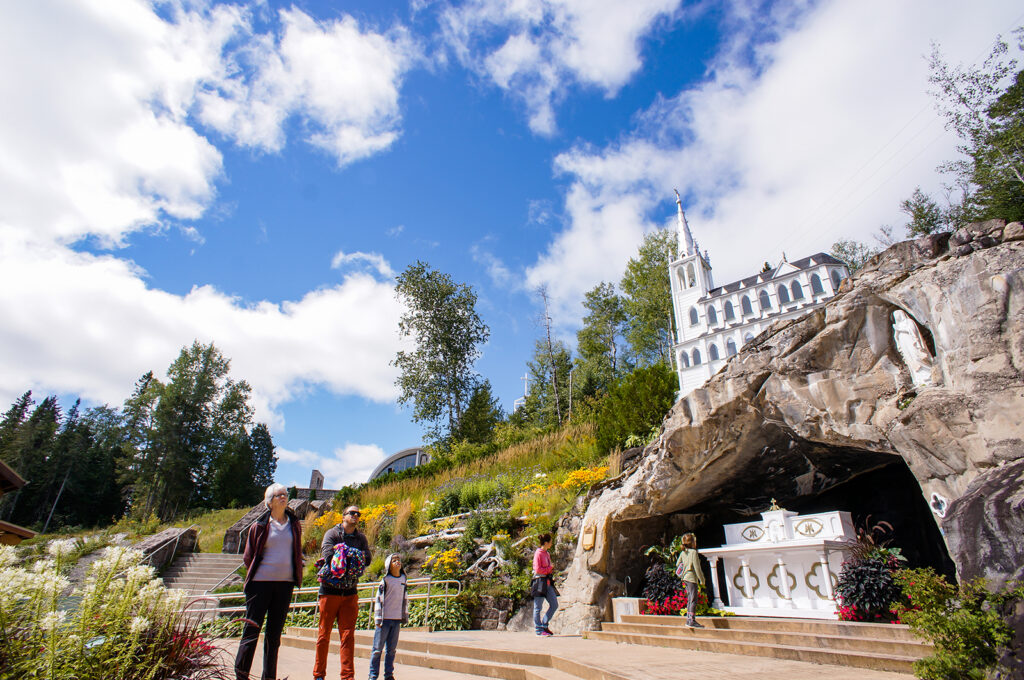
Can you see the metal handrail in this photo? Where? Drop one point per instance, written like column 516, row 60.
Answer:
column 413, row 582
column 149, row 558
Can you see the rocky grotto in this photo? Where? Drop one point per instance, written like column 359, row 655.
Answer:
column 902, row 397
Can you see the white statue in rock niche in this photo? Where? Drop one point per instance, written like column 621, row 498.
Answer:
column 912, row 348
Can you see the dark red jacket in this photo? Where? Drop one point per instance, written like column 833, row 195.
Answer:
column 257, row 540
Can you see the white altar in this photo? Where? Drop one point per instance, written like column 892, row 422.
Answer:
column 784, row 565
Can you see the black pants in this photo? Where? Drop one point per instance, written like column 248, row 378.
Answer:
column 263, row 599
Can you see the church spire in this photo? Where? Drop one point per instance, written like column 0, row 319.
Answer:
column 686, row 246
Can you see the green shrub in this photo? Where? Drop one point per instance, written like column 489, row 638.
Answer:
column 963, row 623
column 635, row 404
column 307, row 617
column 445, row 614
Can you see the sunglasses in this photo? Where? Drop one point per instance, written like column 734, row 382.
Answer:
column 354, row 513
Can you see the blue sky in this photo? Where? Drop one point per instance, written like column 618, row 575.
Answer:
column 255, row 174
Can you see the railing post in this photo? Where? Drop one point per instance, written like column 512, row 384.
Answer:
column 426, row 608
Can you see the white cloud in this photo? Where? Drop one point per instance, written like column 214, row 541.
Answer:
column 341, row 80
column 89, row 325
column 535, row 49
column 348, row 464
column 375, row 260
column 787, row 146
column 98, row 142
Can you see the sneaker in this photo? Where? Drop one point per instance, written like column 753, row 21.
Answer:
column 693, row 625
column 545, row 633
column 548, row 630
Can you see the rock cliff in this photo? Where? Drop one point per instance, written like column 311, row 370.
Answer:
column 920, row 356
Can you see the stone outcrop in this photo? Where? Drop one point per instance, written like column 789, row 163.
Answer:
column 817, row 401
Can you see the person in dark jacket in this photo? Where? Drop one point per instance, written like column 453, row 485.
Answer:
column 273, row 559
column 337, row 605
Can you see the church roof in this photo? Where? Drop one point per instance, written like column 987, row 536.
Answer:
column 764, row 277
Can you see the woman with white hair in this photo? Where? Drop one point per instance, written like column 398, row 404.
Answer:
column 273, row 557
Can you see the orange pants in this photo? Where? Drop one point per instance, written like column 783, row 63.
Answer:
column 343, row 609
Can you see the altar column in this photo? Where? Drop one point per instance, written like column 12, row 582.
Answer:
column 748, row 594
column 787, row 594
column 717, row 602
column 827, row 575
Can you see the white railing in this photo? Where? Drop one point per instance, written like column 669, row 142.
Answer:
column 430, row 593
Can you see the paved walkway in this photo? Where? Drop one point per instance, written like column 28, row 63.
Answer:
column 634, row 661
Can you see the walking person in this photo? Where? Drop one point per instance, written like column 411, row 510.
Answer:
column 689, row 571
column 543, row 587
column 390, row 611
column 340, row 604
column 273, row 559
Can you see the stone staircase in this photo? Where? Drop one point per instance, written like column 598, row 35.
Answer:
column 199, row 572
column 878, row 646
column 450, row 655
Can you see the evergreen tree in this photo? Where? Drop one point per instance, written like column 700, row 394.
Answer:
column 540, row 408
column 926, row 217
column 264, row 459
column 636, row 403
column 30, row 453
column 11, row 423
column 482, row 414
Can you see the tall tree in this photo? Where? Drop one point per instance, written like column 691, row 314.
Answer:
column 988, row 117
column 437, row 376
column 648, row 298
column 539, row 408
column 264, row 457
column 852, row 253
column 552, row 368
column 11, row 423
column 926, row 217
column 598, row 342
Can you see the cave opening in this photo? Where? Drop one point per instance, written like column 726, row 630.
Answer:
column 880, row 490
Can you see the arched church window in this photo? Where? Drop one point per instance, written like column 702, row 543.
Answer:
column 713, row 352
column 684, row 359
column 747, row 338
column 798, row 290
column 712, row 315
column 691, row 278
column 836, row 280
column 730, row 347
column 745, row 305
column 730, row 314
column 816, row 288
column 696, row 357
column 783, row 293
column 764, row 301
column 694, row 319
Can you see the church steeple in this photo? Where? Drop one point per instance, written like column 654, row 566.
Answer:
column 686, row 246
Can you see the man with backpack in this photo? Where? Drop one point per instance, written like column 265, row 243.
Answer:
column 338, row 599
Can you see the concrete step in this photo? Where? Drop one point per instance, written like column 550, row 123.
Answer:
column 508, row 664
column 812, row 654
column 857, row 643
column 200, row 571
column 209, row 558
column 781, row 625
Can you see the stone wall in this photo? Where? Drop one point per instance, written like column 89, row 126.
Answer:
column 493, row 613
column 161, row 548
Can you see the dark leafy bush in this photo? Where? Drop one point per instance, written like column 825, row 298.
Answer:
column 964, row 623
column 867, row 588
column 660, row 584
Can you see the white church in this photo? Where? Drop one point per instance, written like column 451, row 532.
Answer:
column 713, row 322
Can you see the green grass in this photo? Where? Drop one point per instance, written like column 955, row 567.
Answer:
column 211, row 526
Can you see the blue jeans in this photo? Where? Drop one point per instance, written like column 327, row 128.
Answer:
column 386, row 635
column 540, row 623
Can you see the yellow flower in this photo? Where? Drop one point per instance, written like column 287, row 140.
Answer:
column 577, row 480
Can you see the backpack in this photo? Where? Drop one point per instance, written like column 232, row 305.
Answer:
column 344, row 568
